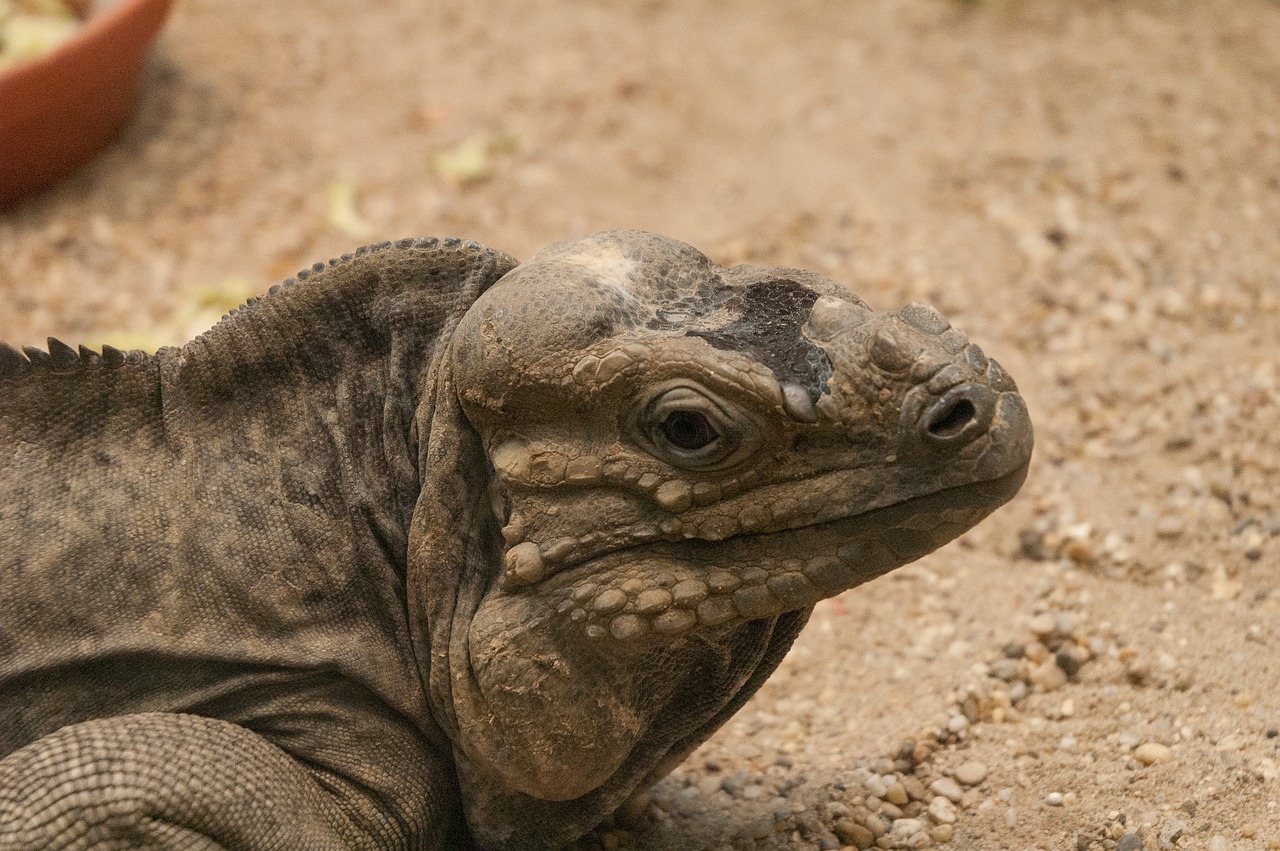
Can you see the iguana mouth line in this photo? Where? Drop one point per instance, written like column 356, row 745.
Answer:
column 662, row 589
column 647, row 539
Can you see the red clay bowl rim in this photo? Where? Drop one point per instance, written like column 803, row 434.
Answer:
column 95, row 26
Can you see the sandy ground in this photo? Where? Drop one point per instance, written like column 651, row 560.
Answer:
column 1090, row 189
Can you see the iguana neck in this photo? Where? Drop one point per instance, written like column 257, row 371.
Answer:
column 332, row 363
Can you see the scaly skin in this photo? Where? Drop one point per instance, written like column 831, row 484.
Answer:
column 431, row 550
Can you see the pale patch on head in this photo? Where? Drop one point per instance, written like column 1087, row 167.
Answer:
column 604, row 264
column 614, row 270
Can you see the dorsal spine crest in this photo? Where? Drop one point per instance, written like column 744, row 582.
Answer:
column 61, row 358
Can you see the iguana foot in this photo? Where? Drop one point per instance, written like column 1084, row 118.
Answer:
column 164, row 781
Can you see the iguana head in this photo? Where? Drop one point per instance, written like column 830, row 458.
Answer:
column 682, row 454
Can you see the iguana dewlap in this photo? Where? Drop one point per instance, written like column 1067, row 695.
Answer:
column 428, row 549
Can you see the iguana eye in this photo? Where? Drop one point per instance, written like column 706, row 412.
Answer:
column 691, row 428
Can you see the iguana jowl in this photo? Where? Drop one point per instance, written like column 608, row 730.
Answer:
column 426, row 549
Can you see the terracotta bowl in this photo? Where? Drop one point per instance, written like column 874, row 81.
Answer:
column 60, row 109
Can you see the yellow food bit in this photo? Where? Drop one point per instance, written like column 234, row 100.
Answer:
column 340, row 210
column 32, row 28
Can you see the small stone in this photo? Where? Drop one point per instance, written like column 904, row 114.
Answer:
column 942, row 833
column 907, row 827
column 1036, row 652
column 852, row 833
column 1005, row 669
column 1043, row 624
column 914, row 788
column 1171, row 832
column 942, row 811
column 896, row 794
column 1079, row 551
column 1152, row 752
column 1130, row 842
column 731, row 784
column 947, row 788
column 877, row 825
column 971, row 773
column 875, row 786
column 1048, row 676
column 1069, row 664
column 922, row 751
column 1031, row 544
column 1053, row 799
column 890, row 811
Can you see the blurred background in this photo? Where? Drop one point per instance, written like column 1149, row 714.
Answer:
column 912, row 148
column 1090, row 188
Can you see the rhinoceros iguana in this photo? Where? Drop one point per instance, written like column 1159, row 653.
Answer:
column 427, row 549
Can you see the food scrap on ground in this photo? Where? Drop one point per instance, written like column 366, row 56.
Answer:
column 31, row 28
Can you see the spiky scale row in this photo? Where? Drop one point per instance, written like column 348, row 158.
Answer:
column 60, row 358
column 12, row 362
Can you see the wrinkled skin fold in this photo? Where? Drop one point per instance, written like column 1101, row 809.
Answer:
column 430, row 549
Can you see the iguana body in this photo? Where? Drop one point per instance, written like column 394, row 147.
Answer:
column 400, row 557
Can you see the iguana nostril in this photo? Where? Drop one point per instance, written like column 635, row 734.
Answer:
column 952, row 420
column 958, row 416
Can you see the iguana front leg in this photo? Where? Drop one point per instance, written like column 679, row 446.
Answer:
column 166, row 781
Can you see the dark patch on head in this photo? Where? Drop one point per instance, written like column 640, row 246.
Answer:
column 771, row 314
column 675, row 311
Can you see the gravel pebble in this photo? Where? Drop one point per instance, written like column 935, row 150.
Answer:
column 1130, row 842
column 1152, row 752
column 914, row 788
column 1043, row 624
column 907, row 827
column 852, row 833
column 947, row 788
column 1053, row 799
column 942, row 811
column 971, row 773
column 1048, row 676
